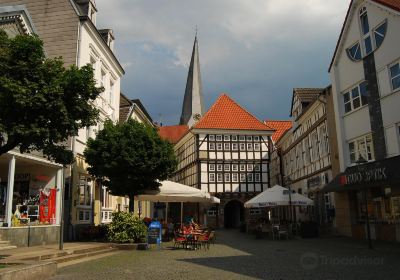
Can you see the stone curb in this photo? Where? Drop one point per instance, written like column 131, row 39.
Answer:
column 42, row 270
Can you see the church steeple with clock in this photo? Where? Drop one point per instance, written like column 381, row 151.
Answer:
column 193, row 106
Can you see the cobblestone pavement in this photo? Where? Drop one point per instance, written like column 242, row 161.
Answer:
column 240, row 256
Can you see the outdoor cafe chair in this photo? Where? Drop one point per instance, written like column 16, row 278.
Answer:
column 179, row 240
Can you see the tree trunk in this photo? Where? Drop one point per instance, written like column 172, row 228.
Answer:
column 131, row 205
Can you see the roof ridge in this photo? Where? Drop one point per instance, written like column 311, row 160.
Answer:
column 236, row 107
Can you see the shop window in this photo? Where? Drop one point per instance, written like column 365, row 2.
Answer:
column 255, row 211
column 212, row 212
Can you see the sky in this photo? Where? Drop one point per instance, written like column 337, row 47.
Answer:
column 256, row 51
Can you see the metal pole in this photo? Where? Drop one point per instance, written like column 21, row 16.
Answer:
column 181, row 214
column 61, row 245
column 367, row 220
column 166, row 213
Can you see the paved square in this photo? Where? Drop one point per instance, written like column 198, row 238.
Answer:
column 240, row 256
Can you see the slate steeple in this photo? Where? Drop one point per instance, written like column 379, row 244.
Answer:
column 193, row 107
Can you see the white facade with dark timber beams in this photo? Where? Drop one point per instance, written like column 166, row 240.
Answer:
column 227, row 154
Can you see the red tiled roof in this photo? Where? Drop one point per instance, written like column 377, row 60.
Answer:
column 173, row 133
column 280, row 128
column 227, row 114
column 393, row 4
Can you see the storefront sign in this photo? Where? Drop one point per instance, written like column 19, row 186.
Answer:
column 382, row 173
column 366, row 176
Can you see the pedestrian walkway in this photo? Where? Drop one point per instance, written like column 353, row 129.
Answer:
column 241, row 256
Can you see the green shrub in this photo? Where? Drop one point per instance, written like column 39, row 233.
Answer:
column 125, row 227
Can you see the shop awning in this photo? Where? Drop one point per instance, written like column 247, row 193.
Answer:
column 381, row 173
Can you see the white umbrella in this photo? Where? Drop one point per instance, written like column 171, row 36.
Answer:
column 174, row 192
column 277, row 196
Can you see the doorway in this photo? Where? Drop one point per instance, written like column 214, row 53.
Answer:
column 233, row 214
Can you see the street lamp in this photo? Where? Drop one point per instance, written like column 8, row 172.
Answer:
column 361, row 160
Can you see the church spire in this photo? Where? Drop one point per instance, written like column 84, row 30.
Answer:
column 193, row 107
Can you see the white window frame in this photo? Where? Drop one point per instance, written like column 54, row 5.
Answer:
column 234, row 146
column 234, row 137
column 219, row 167
column 220, row 177
column 218, row 137
column 227, row 177
column 211, row 167
column 250, row 167
column 242, row 138
column 250, row 178
column 211, row 177
column 249, row 146
column 227, row 146
column 256, row 138
column 227, row 138
column 211, row 137
column 227, row 167
column 219, row 147
column 85, row 181
column 396, row 76
column 211, row 146
column 242, row 146
column 235, row 167
column 243, row 177
column 235, row 177
column 256, row 146
column 368, row 151
column 257, row 177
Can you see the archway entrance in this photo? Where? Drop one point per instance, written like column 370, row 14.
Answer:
column 233, row 214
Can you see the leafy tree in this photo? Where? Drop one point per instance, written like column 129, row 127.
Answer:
column 129, row 158
column 41, row 102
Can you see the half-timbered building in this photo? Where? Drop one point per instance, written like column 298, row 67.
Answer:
column 226, row 153
column 301, row 156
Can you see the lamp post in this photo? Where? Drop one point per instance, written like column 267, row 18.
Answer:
column 361, row 161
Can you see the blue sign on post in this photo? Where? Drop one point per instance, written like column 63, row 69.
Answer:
column 154, row 233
